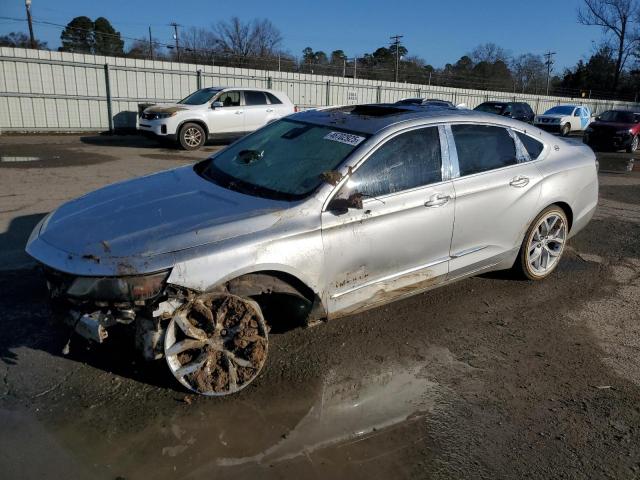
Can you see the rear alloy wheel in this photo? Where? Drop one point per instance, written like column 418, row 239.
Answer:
column 216, row 344
column 543, row 244
column 565, row 130
column 192, row 136
column 634, row 145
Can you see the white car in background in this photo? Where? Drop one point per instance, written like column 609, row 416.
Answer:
column 564, row 119
column 216, row 113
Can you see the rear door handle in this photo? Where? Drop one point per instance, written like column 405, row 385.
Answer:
column 519, row 181
column 437, row 200
column 238, row 112
column 269, row 110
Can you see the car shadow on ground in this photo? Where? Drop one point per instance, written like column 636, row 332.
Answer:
column 134, row 139
column 13, row 241
column 27, row 323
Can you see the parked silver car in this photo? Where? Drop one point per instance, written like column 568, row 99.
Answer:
column 320, row 215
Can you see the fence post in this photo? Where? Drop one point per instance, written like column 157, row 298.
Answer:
column 107, row 83
column 199, row 79
column 270, row 82
column 328, row 99
column 378, row 94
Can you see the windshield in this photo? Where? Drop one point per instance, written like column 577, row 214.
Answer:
column 617, row 116
column 283, row 160
column 491, row 108
column 562, row 110
column 199, row 97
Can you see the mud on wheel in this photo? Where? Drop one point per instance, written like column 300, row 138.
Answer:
column 216, row 344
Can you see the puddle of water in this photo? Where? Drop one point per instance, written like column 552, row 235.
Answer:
column 19, row 159
column 350, row 409
column 243, row 436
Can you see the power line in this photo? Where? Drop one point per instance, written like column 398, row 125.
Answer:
column 396, row 42
column 175, row 37
column 548, row 62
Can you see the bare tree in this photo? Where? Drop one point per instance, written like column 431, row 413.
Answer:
column 617, row 18
column 255, row 38
column 199, row 44
column 528, row 69
column 490, row 53
column 267, row 39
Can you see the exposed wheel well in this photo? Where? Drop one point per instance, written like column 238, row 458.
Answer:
column 286, row 301
column 197, row 122
column 567, row 211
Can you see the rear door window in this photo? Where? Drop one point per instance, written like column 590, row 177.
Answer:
column 534, row 147
column 407, row 161
column 251, row 97
column 482, row 148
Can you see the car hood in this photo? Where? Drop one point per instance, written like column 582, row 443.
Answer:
column 161, row 213
column 170, row 108
column 552, row 115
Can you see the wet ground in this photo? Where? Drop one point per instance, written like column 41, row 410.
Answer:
column 486, row 378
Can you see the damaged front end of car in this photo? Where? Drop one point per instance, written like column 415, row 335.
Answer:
column 93, row 305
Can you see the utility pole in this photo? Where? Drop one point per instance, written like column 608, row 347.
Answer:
column 548, row 62
column 175, row 36
column 396, row 42
column 355, row 67
column 27, row 3
column 150, row 44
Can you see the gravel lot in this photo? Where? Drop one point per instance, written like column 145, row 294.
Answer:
column 486, row 378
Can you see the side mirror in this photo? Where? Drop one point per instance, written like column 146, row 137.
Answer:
column 341, row 206
column 215, row 105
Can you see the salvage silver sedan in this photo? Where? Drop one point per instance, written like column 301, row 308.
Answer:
column 313, row 217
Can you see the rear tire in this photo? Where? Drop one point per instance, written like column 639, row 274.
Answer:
column 565, row 130
column 543, row 244
column 634, row 144
column 192, row 136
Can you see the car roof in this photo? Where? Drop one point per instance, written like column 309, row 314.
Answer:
column 372, row 118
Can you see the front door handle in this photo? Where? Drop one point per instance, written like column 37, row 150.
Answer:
column 238, row 112
column 519, row 181
column 269, row 110
column 437, row 200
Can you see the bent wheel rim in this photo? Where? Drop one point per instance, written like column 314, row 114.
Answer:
column 216, row 344
column 546, row 244
column 192, row 137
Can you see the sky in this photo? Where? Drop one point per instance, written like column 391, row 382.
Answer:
column 438, row 31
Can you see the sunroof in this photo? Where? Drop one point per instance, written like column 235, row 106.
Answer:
column 375, row 110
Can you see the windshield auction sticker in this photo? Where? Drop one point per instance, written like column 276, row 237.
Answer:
column 347, row 138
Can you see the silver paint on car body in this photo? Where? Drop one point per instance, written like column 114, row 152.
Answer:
column 394, row 247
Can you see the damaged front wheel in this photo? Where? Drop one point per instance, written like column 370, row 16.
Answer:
column 216, row 344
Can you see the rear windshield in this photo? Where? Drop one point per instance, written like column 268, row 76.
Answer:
column 199, row 97
column 562, row 110
column 491, row 108
column 283, row 160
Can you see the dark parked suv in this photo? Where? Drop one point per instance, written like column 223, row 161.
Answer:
column 614, row 129
column 516, row 110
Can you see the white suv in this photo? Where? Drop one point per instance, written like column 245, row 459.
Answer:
column 214, row 112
